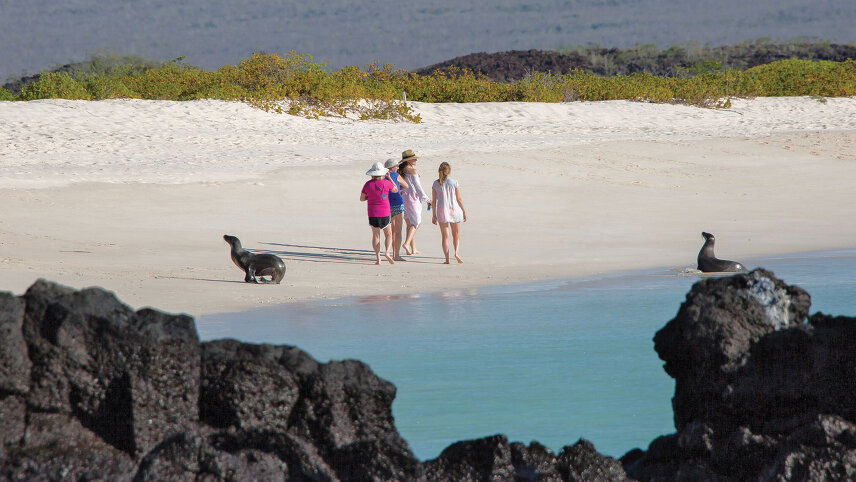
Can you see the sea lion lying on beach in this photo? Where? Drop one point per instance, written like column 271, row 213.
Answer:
column 708, row 263
column 255, row 264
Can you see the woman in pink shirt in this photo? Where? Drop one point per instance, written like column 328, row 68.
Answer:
column 376, row 193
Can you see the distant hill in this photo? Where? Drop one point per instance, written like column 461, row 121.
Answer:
column 677, row 60
column 39, row 34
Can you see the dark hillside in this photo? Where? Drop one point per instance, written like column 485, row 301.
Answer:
column 675, row 61
column 514, row 64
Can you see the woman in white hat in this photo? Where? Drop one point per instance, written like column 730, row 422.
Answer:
column 413, row 197
column 376, row 193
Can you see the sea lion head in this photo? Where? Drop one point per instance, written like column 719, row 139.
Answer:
column 707, row 236
column 230, row 240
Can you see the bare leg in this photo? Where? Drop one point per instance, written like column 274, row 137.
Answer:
column 409, row 247
column 456, row 240
column 387, row 243
column 376, row 243
column 396, row 236
column 444, row 235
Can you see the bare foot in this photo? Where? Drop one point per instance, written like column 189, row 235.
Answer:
column 446, row 262
column 389, row 258
column 399, row 258
column 377, row 262
column 415, row 252
column 459, row 259
column 407, row 250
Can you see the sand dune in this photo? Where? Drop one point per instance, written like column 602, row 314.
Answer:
column 135, row 195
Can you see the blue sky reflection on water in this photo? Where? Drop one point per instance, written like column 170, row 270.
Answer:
column 552, row 361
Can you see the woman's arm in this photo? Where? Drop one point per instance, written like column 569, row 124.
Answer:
column 460, row 202
column 389, row 178
column 433, row 203
column 363, row 196
column 417, row 188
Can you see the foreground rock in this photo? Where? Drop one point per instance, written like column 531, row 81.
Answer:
column 90, row 389
column 762, row 390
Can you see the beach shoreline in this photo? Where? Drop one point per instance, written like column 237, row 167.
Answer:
column 139, row 205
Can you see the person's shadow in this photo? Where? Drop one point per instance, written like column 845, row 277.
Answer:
column 327, row 254
column 315, row 254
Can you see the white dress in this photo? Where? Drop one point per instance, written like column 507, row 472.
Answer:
column 413, row 198
column 447, row 208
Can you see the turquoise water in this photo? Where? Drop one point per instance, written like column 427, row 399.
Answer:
column 551, row 362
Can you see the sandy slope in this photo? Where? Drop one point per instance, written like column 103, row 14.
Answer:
column 136, row 195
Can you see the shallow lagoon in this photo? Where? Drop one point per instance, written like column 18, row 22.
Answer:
column 551, row 362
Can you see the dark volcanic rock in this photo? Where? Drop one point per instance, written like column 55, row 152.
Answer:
column 336, row 417
column 90, row 389
column 488, row 458
column 493, row 458
column 581, row 462
column 762, row 391
column 513, row 65
column 709, row 339
column 121, row 374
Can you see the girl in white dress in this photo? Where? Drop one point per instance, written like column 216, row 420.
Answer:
column 449, row 211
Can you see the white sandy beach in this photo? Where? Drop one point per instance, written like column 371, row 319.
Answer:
column 135, row 196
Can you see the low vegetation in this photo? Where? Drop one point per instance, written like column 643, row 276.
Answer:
column 296, row 85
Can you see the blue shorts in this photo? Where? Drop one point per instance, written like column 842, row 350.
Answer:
column 396, row 210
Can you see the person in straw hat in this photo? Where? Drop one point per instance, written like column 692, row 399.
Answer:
column 413, row 197
column 396, row 207
column 376, row 194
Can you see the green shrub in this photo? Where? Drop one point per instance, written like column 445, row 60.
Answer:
column 218, row 89
column 105, row 64
column 6, row 95
column 803, row 77
column 271, row 76
column 108, row 88
column 55, row 85
column 170, row 82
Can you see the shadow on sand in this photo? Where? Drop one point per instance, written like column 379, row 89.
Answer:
column 200, row 279
column 326, row 254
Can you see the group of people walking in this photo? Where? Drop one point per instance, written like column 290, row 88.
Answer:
column 395, row 196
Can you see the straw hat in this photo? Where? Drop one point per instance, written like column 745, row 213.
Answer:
column 376, row 170
column 390, row 163
column 408, row 154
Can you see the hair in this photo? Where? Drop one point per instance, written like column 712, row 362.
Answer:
column 444, row 170
column 402, row 165
column 377, row 177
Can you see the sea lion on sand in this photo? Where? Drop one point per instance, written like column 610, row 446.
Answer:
column 255, row 264
column 708, row 263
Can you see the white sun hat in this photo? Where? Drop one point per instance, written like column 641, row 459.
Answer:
column 376, row 170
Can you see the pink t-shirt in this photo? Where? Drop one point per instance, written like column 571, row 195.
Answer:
column 377, row 194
